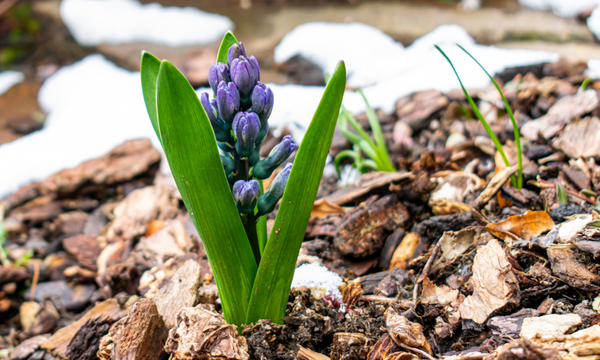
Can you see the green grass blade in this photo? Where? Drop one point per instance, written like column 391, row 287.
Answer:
column 384, row 156
column 342, row 155
column 512, row 119
column 149, row 72
column 479, row 116
column 274, row 277
column 561, row 194
column 228, row 40
column 367, row 164
column 191, row 149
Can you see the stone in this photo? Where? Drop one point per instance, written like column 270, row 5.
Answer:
column 549, row 325
column 62, row 295
column 84, row 248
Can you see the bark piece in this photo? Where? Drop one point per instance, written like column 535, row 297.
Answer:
column 509, row 327
column 86, row 342
column 390, row 246
column 201, row 334
column 383, row 348
column 180, row 292
column 28, row 347
column 58, row 343
column 141, row 334
column 134, row 213
column 307, row 354
column 71, row 223
column 405, row 251
column 62, row 295
column 369, row 183
column 523, row 349
column 124, row 162
column 565, row 265
column 549, row 325
column 350, row 346
column 581, row 345
column 417, row 109
column 494, row 284
column 363, row 231
column 563, row 111
column 85, row 248
column 580, row 138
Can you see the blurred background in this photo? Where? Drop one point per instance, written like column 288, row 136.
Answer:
column 69, row 80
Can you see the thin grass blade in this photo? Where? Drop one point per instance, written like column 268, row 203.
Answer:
column 384, row 156
column 191, row 149
column 512, row 119
column 342, row 155
column 274, row 277
column 479, row 116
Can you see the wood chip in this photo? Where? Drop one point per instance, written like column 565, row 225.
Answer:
column 494, row 186
column 580, row 138
column 351, row 195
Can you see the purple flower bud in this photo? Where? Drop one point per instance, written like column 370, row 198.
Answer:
column 262, row 101
column 217, row 73
column 234, row 52
column 245, row 73
column 264, row 168
column 269, row 199
column 220, row 129
column 246, row 127
column 245, row 194
column 264, row 130
column 228, row 101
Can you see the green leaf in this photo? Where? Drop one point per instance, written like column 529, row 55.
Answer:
column 261, row 225
column 479, row 116
column 228, row 40
column 149, row 72
column 383, row 155
column 274, row 277
column 512, row 119
column 561, row 194
column 191, row 149
column 342, row 155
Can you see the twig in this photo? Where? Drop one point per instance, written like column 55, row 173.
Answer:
column 34, row 281
column 570, row 192
column 427, row 268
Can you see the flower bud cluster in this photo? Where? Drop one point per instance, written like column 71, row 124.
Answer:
column 239, row 115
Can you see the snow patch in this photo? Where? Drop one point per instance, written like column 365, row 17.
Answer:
column 9, row 78
column 94, row 22
column 563, row 8
column 593, row 69
column 318, row 277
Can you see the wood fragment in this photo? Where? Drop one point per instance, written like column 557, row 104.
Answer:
column 307, row 354
column 352, row 195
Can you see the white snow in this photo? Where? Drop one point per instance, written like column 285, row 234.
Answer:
column 9, row 78
column 563, row 8
column 318, row 277
column 93, row 105
column 593, row 22
column 593, row 70
column 94, row 22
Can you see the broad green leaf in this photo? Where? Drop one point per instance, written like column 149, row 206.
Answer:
column 274, row 277
column 149, row 72
column 228, row 40
column 475, row 109
column 261, row 225
column 191, row 149
column 512, row 119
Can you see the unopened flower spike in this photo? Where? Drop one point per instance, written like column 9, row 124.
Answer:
column 269, row 199
column 264, row 168
column 220, row 128
column 245, row 194
column 262, row 101
column 244, row 74
column 228, row 101
column 217, row 73
column 246, row 127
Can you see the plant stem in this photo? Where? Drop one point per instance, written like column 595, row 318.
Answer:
column 249, row 222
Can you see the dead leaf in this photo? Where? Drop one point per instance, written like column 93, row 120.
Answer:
column 453, row 244
column 154, row 226
column 404, row 332
column 494, row 284
column 324, row 207
column 532, row 223
column 580, row 138
column 446, row 207
column 566, row 265
column 437, row 295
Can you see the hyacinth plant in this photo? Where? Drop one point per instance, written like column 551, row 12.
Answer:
column 212, row 144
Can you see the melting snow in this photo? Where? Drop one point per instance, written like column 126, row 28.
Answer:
column 93, row 105
column 564, row 8
column 10, row 78
column 94, row 22
column 318, row 277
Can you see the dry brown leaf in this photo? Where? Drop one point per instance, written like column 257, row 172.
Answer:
column 404, row 332
column 446, row 207
column 154, row 226
column 526, row 226
column 324, row 207
column 453, row 244
column 437, row 295
column 494, row 284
